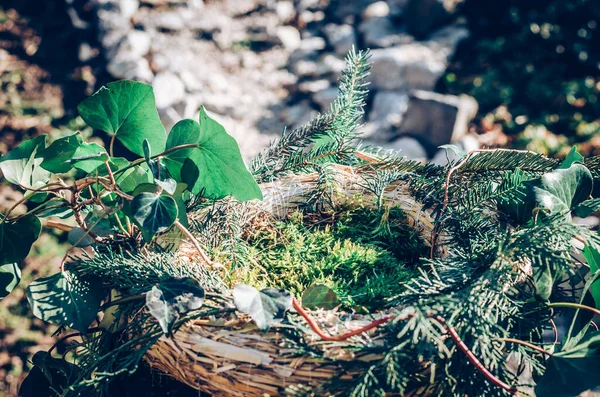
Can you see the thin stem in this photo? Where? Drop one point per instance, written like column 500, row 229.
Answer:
column 111, row 146
column 59, row 226
column 128, row 299
column 74, row 334
column 474, row 360
column 195, row 242
column 315, row 327
column 521, row 342
column 171, row 150
column 575, row 306
column 110, row 174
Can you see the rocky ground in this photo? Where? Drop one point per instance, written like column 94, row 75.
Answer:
column 261, row 66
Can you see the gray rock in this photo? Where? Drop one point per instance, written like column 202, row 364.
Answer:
column 285, row 11
column 422, row 16
column 191, row 80
column 325, row 97
column 381, row 32
column 411, row 66
column 298, row 114
column 438, row 119
column 169, row 20
column 313, row 86
column 409, row 147
column 128, row 7
column 340, row 37
column 376, row 10
column 330, row 66
column 289, row 36
column 313, row 44
column 446, row 40
column 387, row 112
column 86, row 52
column 168, row 89
column 137, row 43
column 397, row 7
column 130, row 68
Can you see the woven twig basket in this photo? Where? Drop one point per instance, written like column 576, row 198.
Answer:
column 231, row 357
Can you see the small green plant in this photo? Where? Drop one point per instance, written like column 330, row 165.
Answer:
column 112, row 199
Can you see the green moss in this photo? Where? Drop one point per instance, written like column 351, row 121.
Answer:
column 363, row 257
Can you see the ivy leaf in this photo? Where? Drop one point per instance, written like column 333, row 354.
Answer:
column 319, row 296
column 88, row 157
column 130, row 179
column 22, row 165
column 152, row 213
column 173, row 297
column 10, row 275
column 16, row 238
column 572, row 158
column 266, row 307
column 127, row 110
column 185, row 132
column 458, row 152
column 57, row 156
column 563, row 189
column 216, row 167
column 48, row 376
column 79, row 238
column 587, row 208
column 593, row 259
column 573, row 370
column 64, row 299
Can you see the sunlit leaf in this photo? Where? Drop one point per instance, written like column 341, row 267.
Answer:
column 266, row 307
column 126, row 109
column 64, row 299
column 58, row 155
column 22, row 165
column 216, row 167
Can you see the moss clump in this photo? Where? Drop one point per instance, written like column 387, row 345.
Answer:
column 364, row 257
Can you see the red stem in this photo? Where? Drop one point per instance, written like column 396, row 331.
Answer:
column 474, row 360
column 315, row 327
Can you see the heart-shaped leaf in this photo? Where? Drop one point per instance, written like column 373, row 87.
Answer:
column 319, row 296
column 573, row 370
column 79, row 238
column 171, row 298
column 88, row 157
column 10, row 275
column 587, row 208
column 593, row 259
column 133, row 177
column 127, row 110
column 22, row 165
column 153, row 213
column 57, row 156
column 64, row 299
column 563, row 189
column 216, row 167
column 184, row 132
column 572, row 158
column 266, row 307
column 48, row 376
column 16, row 238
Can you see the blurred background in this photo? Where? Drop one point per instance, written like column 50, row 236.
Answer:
column 474, row 73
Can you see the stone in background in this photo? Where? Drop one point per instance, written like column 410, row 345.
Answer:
column 262, row 65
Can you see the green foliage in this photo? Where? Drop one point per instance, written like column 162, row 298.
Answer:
column 171, row 298
column 22, row 165
column 354, row 258
column 10, row 275
column 537, row 58
column 216, row 167
column 496, row 266
column 153, row 213
column 65, row 299
column 127, row 110
column 267, row 307
column 319, row 296
column 48, row 376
